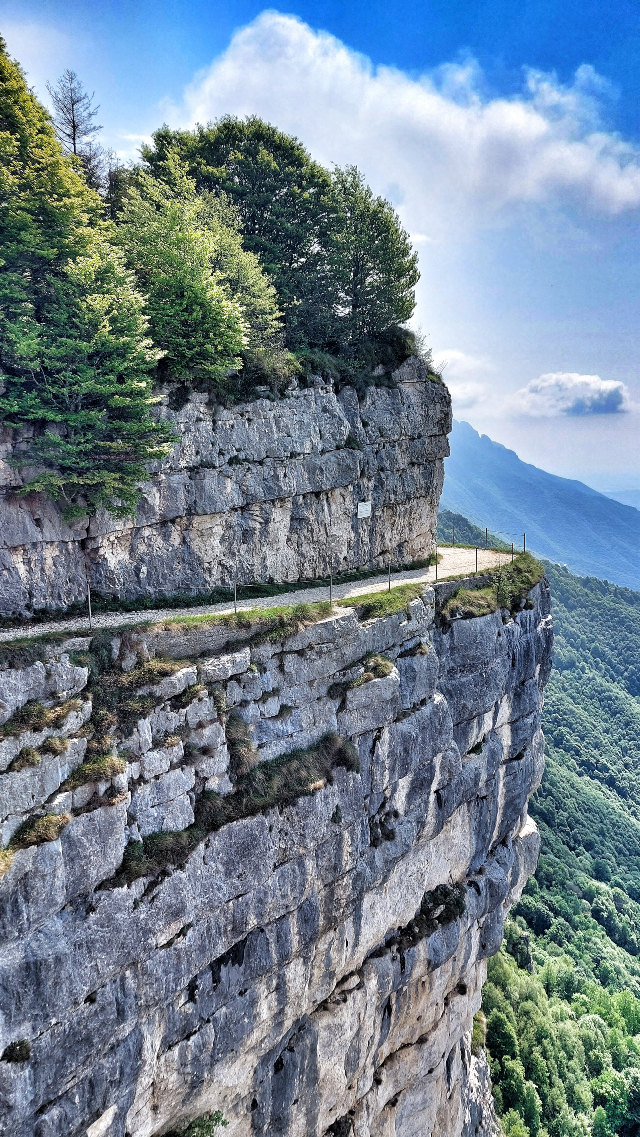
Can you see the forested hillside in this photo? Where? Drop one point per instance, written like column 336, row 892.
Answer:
column 454, row 529
column 563, row 1001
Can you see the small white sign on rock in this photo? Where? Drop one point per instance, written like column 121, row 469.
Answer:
column 364, row 509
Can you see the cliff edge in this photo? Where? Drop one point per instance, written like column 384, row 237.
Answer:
column 257, row 865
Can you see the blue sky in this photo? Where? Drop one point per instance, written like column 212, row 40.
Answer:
column 506, row 134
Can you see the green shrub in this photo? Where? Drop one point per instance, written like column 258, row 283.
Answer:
column 204, row 1126
column 479, row 1034
column 375, row 667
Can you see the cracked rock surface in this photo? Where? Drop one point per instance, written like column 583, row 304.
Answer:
column 264, row 491
column 313, row 969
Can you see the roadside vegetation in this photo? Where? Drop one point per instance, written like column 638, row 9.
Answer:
column 508, row 589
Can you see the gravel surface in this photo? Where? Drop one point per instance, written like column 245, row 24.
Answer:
column 454, row 562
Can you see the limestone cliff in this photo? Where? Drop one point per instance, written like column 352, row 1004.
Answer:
column 276, row 870
column 267, row 490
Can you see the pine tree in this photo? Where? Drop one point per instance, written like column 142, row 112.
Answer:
column 74, row 119
column 75, row 361
column 375, row 267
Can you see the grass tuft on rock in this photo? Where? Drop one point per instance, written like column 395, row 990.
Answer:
column 374, row 605
column 37, row 830
column 55, row 745
column 375, row 667
column 243, row 755
column 27, row 759
column 269, row 785
column 98, row 770
column 35, row 716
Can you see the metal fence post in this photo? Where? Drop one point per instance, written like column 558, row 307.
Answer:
column 476, row 558
column 524, row 542
column 486, row 538
column 512, row 552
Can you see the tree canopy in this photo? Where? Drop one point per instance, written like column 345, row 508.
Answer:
column 283, row 199
column 211, row 308
column 227, row 259
column 341, row 263
column 75, row 359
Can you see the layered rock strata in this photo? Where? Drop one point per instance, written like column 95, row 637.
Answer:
column 311, row 969
column 264, row 491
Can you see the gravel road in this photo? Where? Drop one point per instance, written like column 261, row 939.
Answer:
column 454, row 561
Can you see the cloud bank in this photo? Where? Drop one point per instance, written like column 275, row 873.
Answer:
column 463, row 375
column 567, row 393
column 435, row 145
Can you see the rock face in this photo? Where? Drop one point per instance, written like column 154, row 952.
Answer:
column 312, row 968
column 264, row 491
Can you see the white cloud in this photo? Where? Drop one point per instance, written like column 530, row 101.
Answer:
column 435, row 144
column 463, row 375
column 41, row 50
column 568, row 393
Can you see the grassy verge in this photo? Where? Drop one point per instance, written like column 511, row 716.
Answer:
column 507, row 588
column 264, row 623
column 269, row 784
column 373, row 605
column 100, row 604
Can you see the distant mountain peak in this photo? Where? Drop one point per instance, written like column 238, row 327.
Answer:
column 565, row 520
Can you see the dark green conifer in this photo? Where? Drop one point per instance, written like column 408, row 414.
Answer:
column 75, row 361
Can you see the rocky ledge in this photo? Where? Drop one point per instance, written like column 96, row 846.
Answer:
column 258, row 868
column 268, row 490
